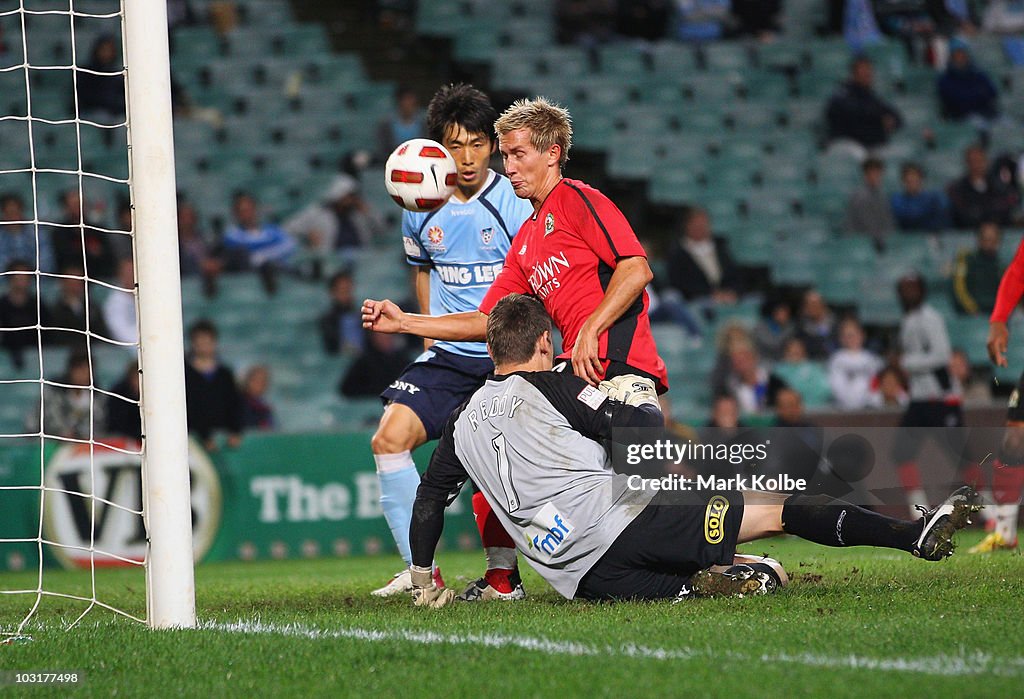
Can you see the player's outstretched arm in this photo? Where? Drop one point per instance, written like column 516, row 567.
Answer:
column 386, row 317
column 628, row 280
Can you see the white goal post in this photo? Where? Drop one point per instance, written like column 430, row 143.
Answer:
column 170, row 581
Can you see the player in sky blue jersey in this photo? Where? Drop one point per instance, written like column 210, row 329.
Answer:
column 457, row 251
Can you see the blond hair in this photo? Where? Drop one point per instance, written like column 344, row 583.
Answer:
column 549, row 124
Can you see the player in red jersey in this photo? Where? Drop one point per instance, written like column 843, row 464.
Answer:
column 577, row 254
column 1008, row 469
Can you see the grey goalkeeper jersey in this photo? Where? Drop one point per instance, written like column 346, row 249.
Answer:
column 530, row 442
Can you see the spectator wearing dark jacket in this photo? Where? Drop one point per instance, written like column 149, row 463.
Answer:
column 19, row 309
column 856, row 113
column 383, row 360
column 699, row 265
column 341, row 326
column 123, row 416
column 917, row 208
column 211, row 395
column 977, row 273
column 101, row 92
column 965, row 90
column 981, row 195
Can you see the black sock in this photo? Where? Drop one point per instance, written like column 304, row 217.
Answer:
column 831, row 522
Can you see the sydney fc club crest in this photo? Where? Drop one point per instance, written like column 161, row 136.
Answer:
column 487, row 235
column 435, row 234
column 549, row 224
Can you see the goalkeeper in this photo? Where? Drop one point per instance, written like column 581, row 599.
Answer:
column 530, row 439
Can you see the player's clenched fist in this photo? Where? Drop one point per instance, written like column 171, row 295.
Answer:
column 425, row 593
column 382, row 316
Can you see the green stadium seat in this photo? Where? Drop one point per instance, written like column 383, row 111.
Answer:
column 672, row 59
column 623, row 60
column 727, row 56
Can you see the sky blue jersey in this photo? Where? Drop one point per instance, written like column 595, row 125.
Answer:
column 465, row 244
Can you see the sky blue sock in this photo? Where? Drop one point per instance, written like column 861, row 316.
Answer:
column 397, row 494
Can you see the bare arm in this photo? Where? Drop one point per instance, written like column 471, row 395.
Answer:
column 631, row 275
column 386, row 317
column 423, row 297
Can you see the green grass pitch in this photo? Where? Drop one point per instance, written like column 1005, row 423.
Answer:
column 854, row 622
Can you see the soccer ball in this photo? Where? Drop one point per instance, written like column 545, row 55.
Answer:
column 420, row 175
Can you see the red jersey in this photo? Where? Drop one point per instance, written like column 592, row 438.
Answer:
column 565, row 255
column 1011, row 288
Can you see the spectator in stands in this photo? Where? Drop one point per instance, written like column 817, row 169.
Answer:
column 197, row 256
column 798, row 372
column 18, row 240
column 917, row 208
column 253, row 244
column 341, row 326
column 123, row 416
column 796, row 449
column 343, row 221
column 750, row 382
column 68, row 313
column 404, row 123
column 966, row 91
column 852, row 368
column 82, row 243
column 1003, row 17
column 867, row 209
column 585, row 22
column 890, row 389
column 644, row 19
column 977, row 272
column 19, row 308
column 101, row 88
column 731, row 335
column 701, row 20
column 211, row 395
column 981, row 195
column 817, row 326
column 700, row 266
column 774, row 328
column 669, row 307
column 725, row 414
column 974, row 391
column 257, row 414
column 69, row 412
column 758, row 18
column 383, row 360
column 859, row 121
column 119, row 308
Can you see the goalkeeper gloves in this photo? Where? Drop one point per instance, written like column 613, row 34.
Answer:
column 425, row 593
column 631, row 389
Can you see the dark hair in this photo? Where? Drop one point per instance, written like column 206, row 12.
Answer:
column 8, row 197
column 77, row 359
column 513, row 327
column 19, row 265
column 911, row 166
column 460, row 105
column 338, row 276
column 872, row 164
column 860, row 58
column 203, row 325
column 689, row 213
column 240, row 194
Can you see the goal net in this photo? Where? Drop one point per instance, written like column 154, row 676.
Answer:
column 93, row 448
